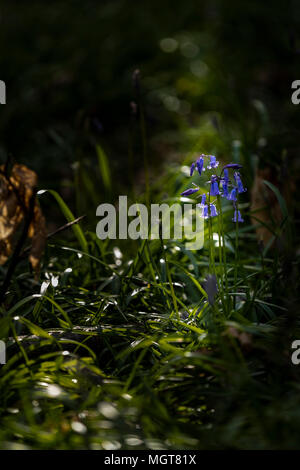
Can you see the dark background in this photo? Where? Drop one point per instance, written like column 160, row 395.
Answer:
column 218, row 71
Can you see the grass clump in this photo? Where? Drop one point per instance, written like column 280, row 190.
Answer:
column 119, row 346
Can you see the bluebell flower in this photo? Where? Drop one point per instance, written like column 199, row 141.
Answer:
column 204, row 211
column 213, row 210
column 199, row 164
column 203, row 199
column 225, row 189
column 237, row 215
column 232, row 195
column 226, row 175
column 214, row 187
column 192, row 169
column 213, row 162
column 225, row 181
column 208, row 210
column 235, row 166
column 203, row 207
column 189, row 191
column 239, row 183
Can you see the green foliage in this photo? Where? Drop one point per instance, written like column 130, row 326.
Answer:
column 110, row 351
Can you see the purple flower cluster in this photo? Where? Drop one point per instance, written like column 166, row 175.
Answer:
column 207, row 210
column 219, row 185
column 199, row 164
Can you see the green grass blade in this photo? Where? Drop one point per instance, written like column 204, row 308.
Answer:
column 104, row 167
column 70, row 217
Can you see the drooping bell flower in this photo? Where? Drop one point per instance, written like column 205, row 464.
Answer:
column 213, row 162
column 239, row 183
column 226, row 176
column 214, row 187
column 232, row 195
column 199, row 164
column 213, row 210
column 203, row 199
column 189, row 191
column 192, row 169
column 225, row 189
column 207, row 210
column 203, row 207
column 225, row 181
column 235, row 166
column 204, row 211
column 237, row 215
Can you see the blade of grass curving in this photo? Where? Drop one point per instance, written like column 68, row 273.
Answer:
column 280, row 199
column 70, row 218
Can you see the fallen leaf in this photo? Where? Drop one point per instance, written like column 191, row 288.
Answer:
column 16, row 192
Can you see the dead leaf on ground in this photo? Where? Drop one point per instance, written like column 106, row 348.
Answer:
column 16, row 192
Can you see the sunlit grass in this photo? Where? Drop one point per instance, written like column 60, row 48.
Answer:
column 123, row 351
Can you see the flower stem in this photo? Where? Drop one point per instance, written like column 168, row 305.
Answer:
column 212, row 266
column 220, row 243
column 222, row 252
column 223, row 247
column 236, row 252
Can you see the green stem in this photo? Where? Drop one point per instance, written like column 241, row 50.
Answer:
column 212, row 266
column 223, row 248
column 221, row 251
column 236, row 251
column 220, row 242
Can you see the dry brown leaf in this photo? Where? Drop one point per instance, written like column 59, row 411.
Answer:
column 15, row 196
column 37, row 231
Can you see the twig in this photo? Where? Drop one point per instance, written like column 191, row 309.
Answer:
column 51, row 234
